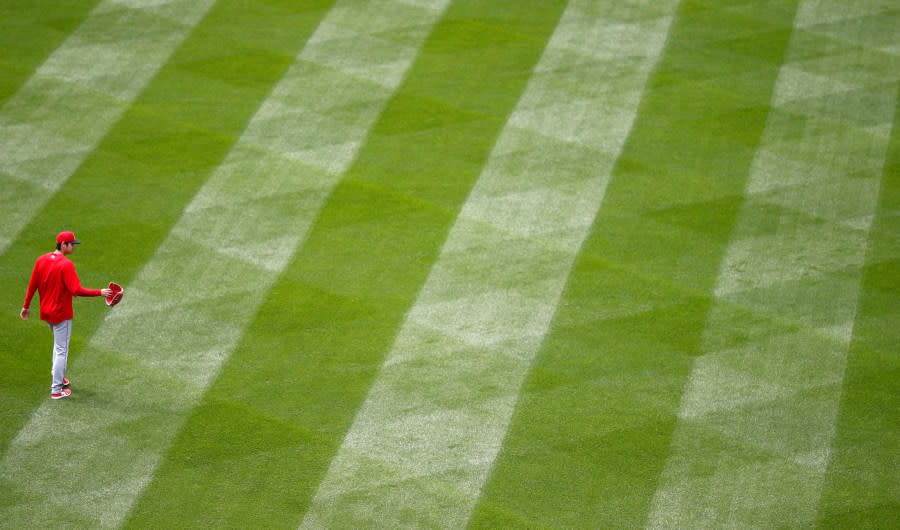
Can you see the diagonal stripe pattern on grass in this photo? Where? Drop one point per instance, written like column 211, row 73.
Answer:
column 29, row 32
column 93, row 76
column 290, row 390
column 758, row 412
column 592, row 427
column 245, row 222
column 862, row 486
column 425, row 439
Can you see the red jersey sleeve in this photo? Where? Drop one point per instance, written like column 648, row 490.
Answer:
column 32, row 287
column 73, row 284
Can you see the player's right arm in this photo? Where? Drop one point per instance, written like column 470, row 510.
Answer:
column 29, row 293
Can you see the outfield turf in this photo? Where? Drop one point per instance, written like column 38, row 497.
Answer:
column 455, row 263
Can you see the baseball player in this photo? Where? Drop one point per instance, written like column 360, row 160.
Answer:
column 55, row 280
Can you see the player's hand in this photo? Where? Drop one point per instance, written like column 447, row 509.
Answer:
column 24, row 313
column 105, row 292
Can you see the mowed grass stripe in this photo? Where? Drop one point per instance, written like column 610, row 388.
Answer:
column 72, row 100
column 291, row 389
column 592, row 427
column 757, row 416
column 130, row 394
column 29, row 32
column 265, row 196
column 426, row 437
column 862, row 487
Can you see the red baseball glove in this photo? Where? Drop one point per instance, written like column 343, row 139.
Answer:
column 116, row 296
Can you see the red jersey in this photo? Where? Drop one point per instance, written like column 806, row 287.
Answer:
column 55, row 280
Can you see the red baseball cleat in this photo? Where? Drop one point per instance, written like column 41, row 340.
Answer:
column 59, row 395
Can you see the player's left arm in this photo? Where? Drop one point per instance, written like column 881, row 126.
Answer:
column 73, row 283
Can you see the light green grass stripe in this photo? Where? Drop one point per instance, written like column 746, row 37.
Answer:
column 56, row 119
column 758, row 413
column 153, row 357
column 425, row 439
column 862, row 486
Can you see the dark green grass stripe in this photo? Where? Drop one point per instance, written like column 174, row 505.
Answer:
column 860, row 490
column 593, row 426
column 128, row 193
column 257, row 446
column 29, row 32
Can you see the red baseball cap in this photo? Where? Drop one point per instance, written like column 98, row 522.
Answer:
column 66, row 237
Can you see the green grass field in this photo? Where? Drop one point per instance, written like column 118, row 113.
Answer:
column 455, row 263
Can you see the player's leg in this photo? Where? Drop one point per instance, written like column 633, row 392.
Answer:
column 62, row 333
